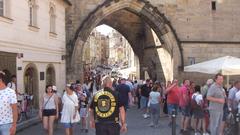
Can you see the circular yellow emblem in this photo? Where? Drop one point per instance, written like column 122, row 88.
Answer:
column 105, row 106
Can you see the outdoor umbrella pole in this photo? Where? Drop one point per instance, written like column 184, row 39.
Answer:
column 227, row 82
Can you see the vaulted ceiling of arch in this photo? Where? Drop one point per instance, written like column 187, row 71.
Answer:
column 129, row 25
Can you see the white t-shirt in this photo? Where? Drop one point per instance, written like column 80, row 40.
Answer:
column 237, row 96
column 68, row 111
column 7, row 98
column 154, row 97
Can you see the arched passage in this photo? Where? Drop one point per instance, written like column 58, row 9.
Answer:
column 108, row 50
column 31, row 82
column 143, row 10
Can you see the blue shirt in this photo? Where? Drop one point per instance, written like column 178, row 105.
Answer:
column 123, row 91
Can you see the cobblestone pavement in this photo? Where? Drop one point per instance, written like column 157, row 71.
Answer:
column 137, row 125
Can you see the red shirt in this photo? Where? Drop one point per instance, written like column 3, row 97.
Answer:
column 173, row 95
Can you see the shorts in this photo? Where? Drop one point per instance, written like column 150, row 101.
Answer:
column 83, row 112
column 5, row 129
column 107, row 129
column 198, row 114
column 143, row 102
column 172, row 107
column 49, row 112
column 186, row 111
column 68, row 125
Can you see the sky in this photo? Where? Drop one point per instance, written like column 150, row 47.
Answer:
column 104, row 29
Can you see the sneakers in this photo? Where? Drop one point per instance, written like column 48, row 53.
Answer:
column 151, row 125
column 146, row 116
column 197, row 133
column 84, row 130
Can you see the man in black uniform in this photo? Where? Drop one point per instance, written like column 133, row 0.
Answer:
column 105, row 109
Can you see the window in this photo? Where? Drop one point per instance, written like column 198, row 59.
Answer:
column 5, row 8
column 191, row 60
column 1, row 7
column 214, row 5
column 32, row 13
column 52, row 20
column 31, row 16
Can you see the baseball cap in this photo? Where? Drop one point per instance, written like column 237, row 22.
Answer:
column 157, row 82
column 54, row 88
column 78, row 84
column 68, row 85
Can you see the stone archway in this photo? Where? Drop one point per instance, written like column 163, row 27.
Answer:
column 150, row 14
column 50, row 75
column 31, row 82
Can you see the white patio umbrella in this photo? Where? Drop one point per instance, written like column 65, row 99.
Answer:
column 227, row 65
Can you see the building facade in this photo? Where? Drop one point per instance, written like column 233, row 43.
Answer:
column 122, row 55
column 96, row 52
column 32, row 44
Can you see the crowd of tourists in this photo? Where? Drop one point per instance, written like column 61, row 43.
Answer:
column 208, row 109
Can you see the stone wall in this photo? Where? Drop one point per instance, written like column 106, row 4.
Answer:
column 195, row 19
column 203, row 52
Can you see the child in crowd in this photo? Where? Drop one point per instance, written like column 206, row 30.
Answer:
column 83, row 102
column 198, row 110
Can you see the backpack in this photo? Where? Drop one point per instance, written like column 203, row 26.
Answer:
column 194, row 104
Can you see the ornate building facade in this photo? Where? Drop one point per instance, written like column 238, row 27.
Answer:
column 33, row 44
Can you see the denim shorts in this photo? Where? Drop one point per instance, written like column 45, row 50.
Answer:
column 68, row 125
column 5, row 129
column 170, row 108
column 186, row 111
column 143, row 102
column 83, row 112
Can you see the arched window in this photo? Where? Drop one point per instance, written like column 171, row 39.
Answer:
column 52, row 20
column 50, row 75
column 1, row 7
column 32, row 13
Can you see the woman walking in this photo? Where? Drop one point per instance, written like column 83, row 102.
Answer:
column 49, row 109
column 154, row 99
column 70, row 114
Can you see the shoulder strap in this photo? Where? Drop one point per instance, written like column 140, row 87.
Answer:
column 71, row 99
column 47, row 101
